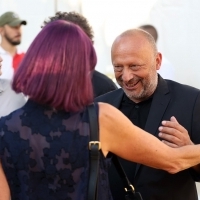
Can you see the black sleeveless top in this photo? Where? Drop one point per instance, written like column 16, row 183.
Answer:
column 45, row 156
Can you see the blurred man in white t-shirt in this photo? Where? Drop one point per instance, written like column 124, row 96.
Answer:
column 167, row 70
column 10, row 32
column 9, row 100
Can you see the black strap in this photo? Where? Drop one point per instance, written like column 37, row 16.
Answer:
column 94, row 147
column 127, row 184
column 129, row 189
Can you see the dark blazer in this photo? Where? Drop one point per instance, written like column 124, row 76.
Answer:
column 170, row 99
column 102, row 84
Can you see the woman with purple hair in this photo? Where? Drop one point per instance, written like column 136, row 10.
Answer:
column 44, row 145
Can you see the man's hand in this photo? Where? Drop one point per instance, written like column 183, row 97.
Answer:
column 173, row 134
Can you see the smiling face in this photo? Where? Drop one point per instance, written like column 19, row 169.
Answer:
column 135, row 60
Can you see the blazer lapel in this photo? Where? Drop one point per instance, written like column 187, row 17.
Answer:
column 117, row 98
column 161, row 99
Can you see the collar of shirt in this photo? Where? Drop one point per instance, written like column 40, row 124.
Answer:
column 127, row 101
column 3, row 51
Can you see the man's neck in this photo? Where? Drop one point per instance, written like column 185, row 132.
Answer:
column 11, row 49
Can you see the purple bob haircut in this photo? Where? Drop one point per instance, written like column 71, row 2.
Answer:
column 56, row 69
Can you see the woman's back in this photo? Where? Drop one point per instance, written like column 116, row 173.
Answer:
column 45, row 154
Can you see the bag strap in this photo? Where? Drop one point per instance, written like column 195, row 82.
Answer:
column 128, row 187
column 94, row 147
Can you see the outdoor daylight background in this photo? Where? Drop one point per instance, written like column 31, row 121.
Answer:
column 176, row 22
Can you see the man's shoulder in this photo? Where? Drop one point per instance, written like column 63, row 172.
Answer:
column 102, row 84
column 173, row 85
column 5, row 84
column 110, row 96
column 98, row 76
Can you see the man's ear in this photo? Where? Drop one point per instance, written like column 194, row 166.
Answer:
column 158, row 60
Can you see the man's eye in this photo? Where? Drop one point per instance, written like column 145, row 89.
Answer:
column 135, row 67
column 118, row 68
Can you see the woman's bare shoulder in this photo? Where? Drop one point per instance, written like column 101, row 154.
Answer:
column 107, row 109
column 111, row 114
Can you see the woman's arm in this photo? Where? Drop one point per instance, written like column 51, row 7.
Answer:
column 120, row 136
column 4, row 188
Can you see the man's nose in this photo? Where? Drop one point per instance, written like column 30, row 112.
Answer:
column 18, row 29
column 127, row 74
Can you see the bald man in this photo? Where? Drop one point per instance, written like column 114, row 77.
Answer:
column 148, row 100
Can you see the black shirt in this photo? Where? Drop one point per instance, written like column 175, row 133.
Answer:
column 137, row 113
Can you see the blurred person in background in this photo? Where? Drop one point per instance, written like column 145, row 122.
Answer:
column 11, row 32
column 101, row 83
column 44, row 151
column 9, row 99
column 167, row 70
column 149, row 101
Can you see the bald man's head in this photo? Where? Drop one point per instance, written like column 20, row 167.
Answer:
column 135, row 60
column 137, row 35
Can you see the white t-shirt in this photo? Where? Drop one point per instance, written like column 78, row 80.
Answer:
column 9, row 100
column 7, row 69
column 9, row 62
